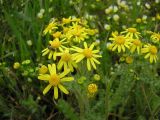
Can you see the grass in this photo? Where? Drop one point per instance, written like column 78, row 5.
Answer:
column 125, row 91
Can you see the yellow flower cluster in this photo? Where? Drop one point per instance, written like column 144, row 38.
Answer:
column 67, row 48
column 131, row 40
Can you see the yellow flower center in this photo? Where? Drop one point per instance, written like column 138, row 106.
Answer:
column 153, row 50
column 56, row 44
column 43, row 69
column 120, row 40
column 132, row 30
column 66, row 57
column 137, row 42
column 87, row 53
column 129, row 59
column 92, row 88
column 55, row 80
column 57, row 34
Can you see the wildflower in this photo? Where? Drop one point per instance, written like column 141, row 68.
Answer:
column 57, row 34
column 55, row 80
column 155, row 37
column 42, row 11
column 81, row 80
column 109, row 10
column 151, row 52
column 40, row 15
column 147, row 5
column 92, row 88
column 116, row 17
column 77, row 33
column 66, row 61
column 129, row 59
column 26, row 62
column 29, row 42
column 88, row 53
column 157, row 16
column 138, row 20
column 136, row 45
column 96, row 77
column 107, row 27
column 43, row 69
column 119, row 43
column 66, row 20
column 131, row 32
column 16, row 65
column 52, row 26
column 55, row 46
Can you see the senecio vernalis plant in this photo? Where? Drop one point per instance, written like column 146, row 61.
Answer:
column 132, row 40
column 71, row 42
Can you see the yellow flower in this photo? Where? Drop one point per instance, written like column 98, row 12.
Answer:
column 43, row 69
column 52, row 26
column 119, row 43
column 55, row 80
column 57, row 34
column 76, row 33
column 136, row 45
column 16, row 65
column 151, row 52
column 55, row 46
column 66, row 61
column 157, row 16
column 132, row 33
column 92, row 88
column 66, row 20
column 129, row 59
column 138, row 20
column 87, row 53
column 155, row 37
column 96, row 77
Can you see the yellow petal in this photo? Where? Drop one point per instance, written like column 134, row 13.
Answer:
column 147, row 56
column 55, row 92
column 60, row 64
column 92, row 46
column 50, row 55
column 93, row 64
column 64, row 73
column 95, row 60
column 151, row 59
column 63, row 89
column 119, row 48
column 52, row 69
column 44, row 77
column 80, row 58
column 85, row 45
column 47, row 89
column 67, row 79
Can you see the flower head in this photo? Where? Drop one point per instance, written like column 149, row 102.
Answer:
column 55, row 80
column 66, row 61
column 155, row 37
column 136, row 45
column 54, row 48
column 119, row 43
column 132, row 33
column 43, row 69
column 87, row 53
column 92, row 88
column 16, row 65
column 51, row 26
column 151, row 52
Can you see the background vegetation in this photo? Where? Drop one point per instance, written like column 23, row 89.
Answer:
column 126, row 91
